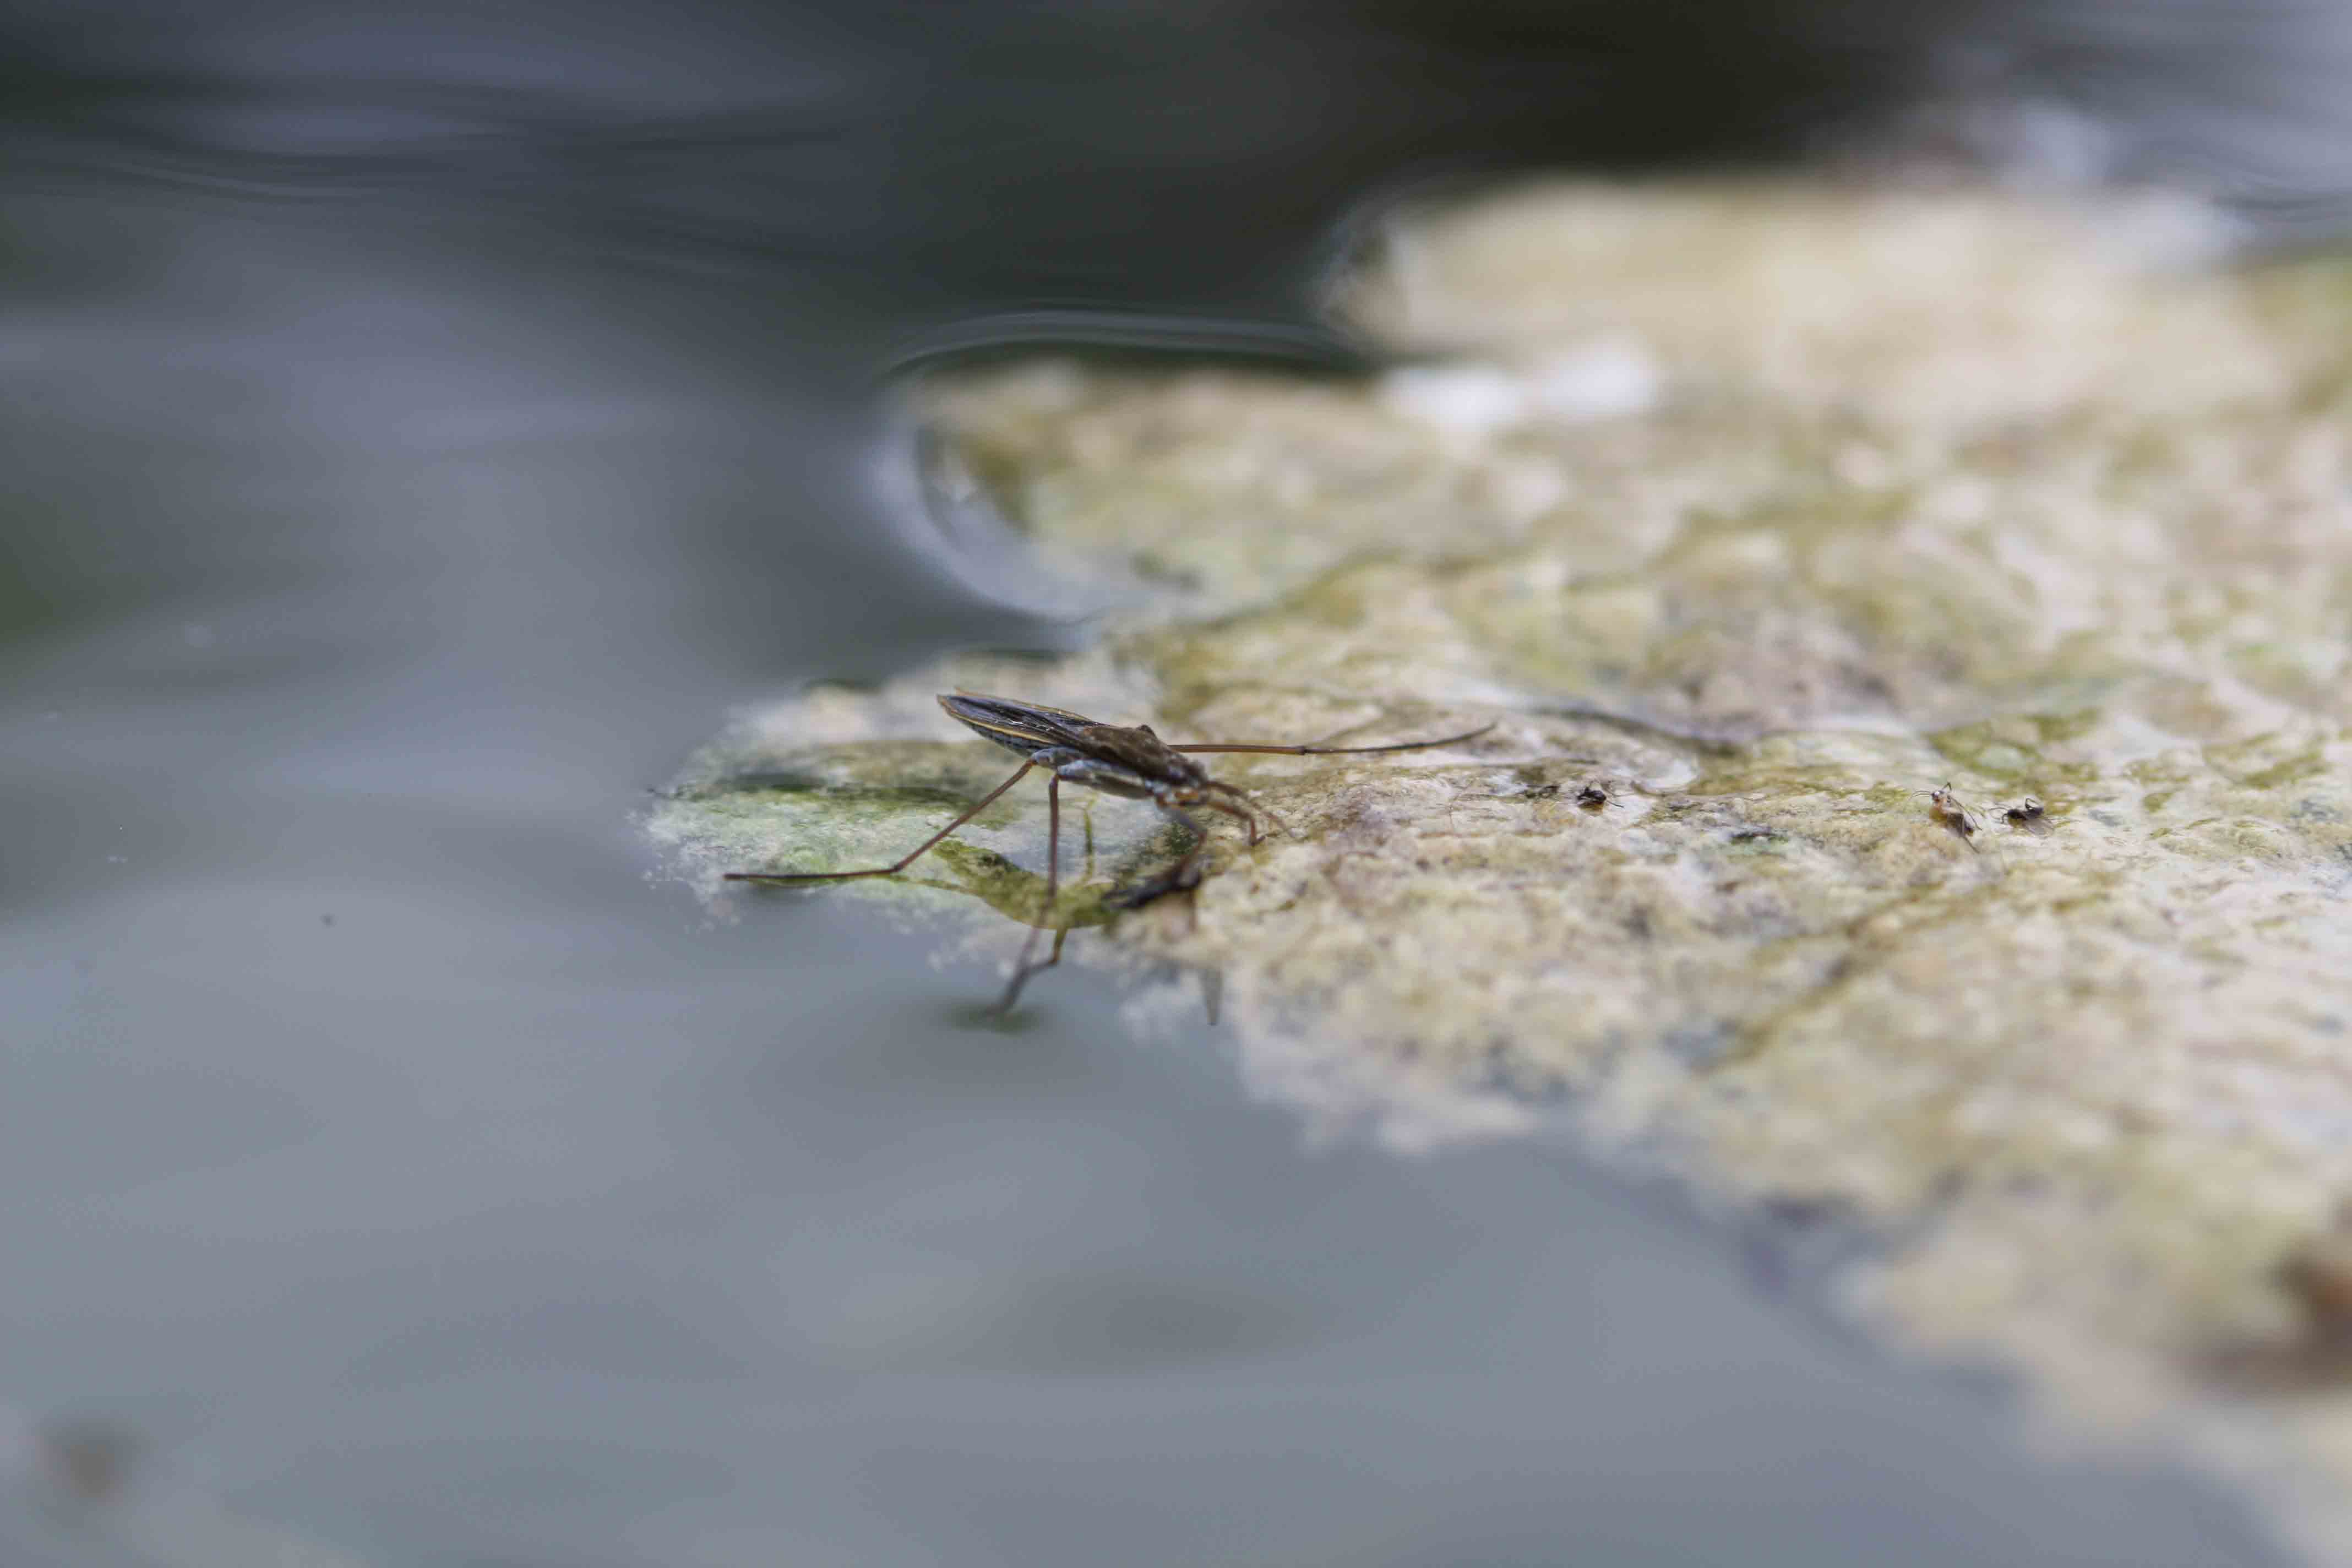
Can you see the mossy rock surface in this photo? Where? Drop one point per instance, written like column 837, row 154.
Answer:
column 1761, row 511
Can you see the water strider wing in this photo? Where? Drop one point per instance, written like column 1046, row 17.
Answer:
column 1015, row 725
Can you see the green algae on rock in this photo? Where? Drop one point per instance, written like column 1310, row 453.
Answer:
column 1764, row 510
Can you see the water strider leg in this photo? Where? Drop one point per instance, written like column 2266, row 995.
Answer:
column 1241, row 814
column 1338, row 751
column 897, row 866
column 1021, row 970
column 1308, row 751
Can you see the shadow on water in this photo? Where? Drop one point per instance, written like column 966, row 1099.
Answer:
column 420, row 431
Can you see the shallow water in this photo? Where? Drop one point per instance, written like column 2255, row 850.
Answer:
column 407, row 1165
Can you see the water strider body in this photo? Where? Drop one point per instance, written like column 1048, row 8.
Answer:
column 1122, row 759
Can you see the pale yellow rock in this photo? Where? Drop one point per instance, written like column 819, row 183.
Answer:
column 1880, row 490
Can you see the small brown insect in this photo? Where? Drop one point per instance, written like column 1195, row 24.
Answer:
column 2028, row 816
column 2316, row 1350
column 1592, row 798
column 1122, row 759
column 1949, row 810
column 89, row 1459
column 2319, row 1280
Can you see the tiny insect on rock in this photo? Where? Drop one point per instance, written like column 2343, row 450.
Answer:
column 1952, row 813
column 1128, row 760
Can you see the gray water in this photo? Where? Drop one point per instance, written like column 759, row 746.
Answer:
column 402, row 1163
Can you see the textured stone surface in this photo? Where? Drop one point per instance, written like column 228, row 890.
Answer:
column 1762, row 511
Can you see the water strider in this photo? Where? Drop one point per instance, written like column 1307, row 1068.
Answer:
column 1123, row 760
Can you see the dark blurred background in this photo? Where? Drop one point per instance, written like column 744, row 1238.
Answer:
column 422, row 428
